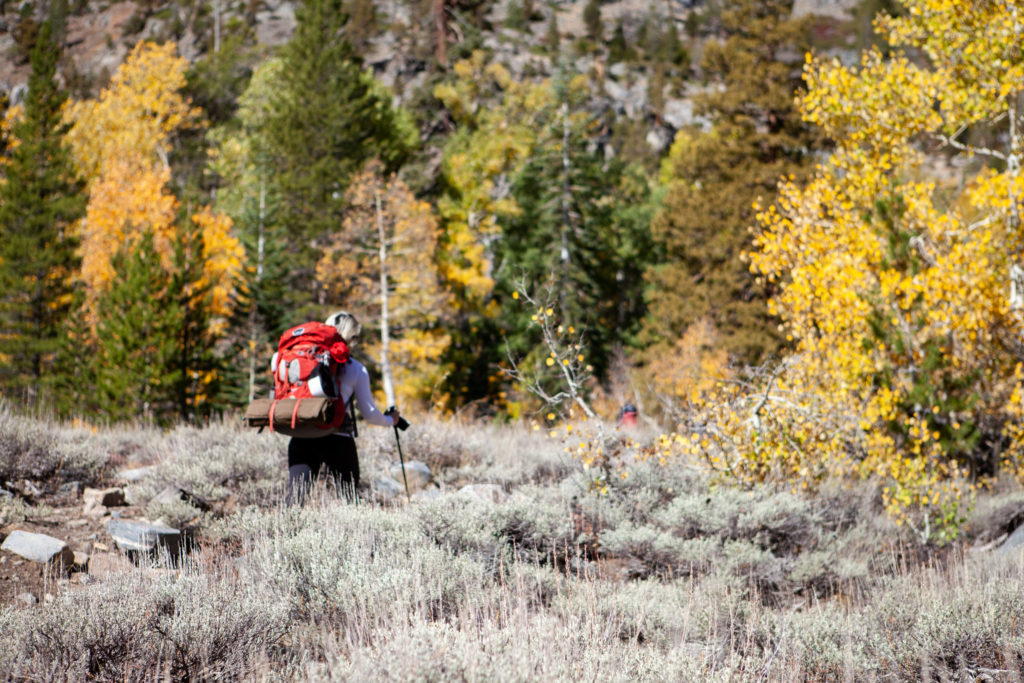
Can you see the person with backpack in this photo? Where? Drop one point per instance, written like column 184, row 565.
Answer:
column 335, row 455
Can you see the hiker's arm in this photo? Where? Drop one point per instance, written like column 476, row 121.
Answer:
column 364, row 399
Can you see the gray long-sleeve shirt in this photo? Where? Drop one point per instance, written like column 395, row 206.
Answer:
column 355, row 381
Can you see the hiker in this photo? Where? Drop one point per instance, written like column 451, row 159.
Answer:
column 627, row 416
column 335, row 455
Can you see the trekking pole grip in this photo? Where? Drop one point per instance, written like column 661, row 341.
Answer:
column 402, row 423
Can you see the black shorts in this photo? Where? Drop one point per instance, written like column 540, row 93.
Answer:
column 333, row 455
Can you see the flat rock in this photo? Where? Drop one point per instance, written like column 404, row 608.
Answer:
column 136, row 473
column 1013, row 543
column 387, row 488
column 492, row 493
column 108, row 498
column 416, row 473
column 39, row 548
column 137, row 536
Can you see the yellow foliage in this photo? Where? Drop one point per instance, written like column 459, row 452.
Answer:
column 690, row 368
column 496, row 141
column 135, row 115
column 123, row 202
column 895, row 288
column 222, row 262
column 120, row 142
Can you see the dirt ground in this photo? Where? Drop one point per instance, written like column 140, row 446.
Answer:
column 24, row 583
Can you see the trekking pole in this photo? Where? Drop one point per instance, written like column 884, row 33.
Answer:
column 403, row 425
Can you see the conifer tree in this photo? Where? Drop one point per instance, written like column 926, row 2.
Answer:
column 592, row 20
column 327, row 118
column 194, row 365
column 571, row 234
column 40, row 201
column 261, row 312
column 249, row 195
column 714, row 179
column 135, row 373
column 552, row 38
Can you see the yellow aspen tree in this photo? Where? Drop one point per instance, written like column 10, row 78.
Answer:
column 901, row 288
column 479, row 159
column 120, row 142
column 382, row 262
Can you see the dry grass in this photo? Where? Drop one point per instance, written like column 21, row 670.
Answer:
column 663, row 578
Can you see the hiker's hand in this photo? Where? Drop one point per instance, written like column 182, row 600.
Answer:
column 395, row 417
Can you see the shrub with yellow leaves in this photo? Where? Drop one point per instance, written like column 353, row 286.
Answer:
column 901, row 293
column 558, row 375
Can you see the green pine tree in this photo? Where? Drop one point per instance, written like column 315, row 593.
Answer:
column 592, row 20
column 619, row 49
column 327, row 118
column 195, row 366
column 552, row 38
column 714, row 178
column 583, row 231
column 262, row 312
column 135, row 369
column 40, row 201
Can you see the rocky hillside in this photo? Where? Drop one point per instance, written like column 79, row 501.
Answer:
column 399, row 43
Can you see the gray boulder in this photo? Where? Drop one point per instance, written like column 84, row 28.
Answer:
column 136, row 536
column 491, row 493
column 136, row 473
column 112, row 497
column 39, row 548
column 387, row 489
column 416, row 473
column 1013, row 543
column 678, row 113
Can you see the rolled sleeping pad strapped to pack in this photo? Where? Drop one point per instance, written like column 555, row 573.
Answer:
column 306, row 418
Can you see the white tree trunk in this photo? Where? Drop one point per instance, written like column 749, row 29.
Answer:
column 385, row 332
column 259, row 278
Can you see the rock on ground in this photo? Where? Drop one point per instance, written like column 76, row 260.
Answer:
column 136, row 536
column 1013, row 543
column 416, row 473
column 491, row 493
column 39, row 548
column 98, row 500
column 386, row 488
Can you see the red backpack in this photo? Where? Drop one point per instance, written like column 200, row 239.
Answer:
column 308, row 359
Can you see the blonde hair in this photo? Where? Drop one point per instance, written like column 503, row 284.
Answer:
column 346, row 324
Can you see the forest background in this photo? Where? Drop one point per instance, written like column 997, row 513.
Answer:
column 817, row 276
column 261, row 164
